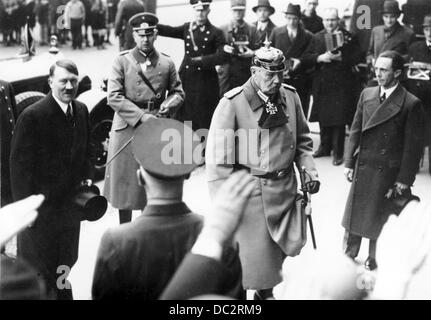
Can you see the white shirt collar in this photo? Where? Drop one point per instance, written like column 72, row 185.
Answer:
column 62, row 105
column 292, row 32
column 262, row 25
column 428, row 43
column 387, row 92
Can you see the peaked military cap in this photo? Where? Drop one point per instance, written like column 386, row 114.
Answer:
column 200, row 4
column 144, row 23
column 238, row 4
column 167, row 148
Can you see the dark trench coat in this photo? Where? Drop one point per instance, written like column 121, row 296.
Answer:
column 199, row 79
column 387, row 139
column 335, row 85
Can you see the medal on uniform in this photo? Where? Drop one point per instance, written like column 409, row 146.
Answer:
column 271, row 108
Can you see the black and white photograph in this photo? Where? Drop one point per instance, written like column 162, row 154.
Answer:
column 215, row 150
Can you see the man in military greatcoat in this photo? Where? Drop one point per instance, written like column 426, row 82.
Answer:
column 273, row 135
column 143, row 82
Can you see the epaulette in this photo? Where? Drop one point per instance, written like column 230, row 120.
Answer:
column 122, row 53
column 166, row 55
column 289, row 87
column 232, row 93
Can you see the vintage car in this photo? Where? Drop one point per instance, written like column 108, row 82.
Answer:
column 28, row 76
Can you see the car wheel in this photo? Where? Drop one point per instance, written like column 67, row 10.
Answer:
column 26, row 99
column 99, row 143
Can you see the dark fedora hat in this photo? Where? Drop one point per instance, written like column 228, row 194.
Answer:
column 391, row 6
column 263, row 3
column 294, row 9
column 427, row 21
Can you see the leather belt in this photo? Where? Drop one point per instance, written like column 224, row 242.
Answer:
column 274, row 175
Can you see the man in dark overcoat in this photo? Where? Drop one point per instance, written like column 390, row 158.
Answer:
column 137, row 260
column 383, row 153
column 311, row 21
column 420, row 51
column 203, row 44
column 126, row 9
column 391, row 35
column 414, row 12
column 263, row 24
column 295, row 42
column 7, row 117
column 50, row 155
column 334, row 85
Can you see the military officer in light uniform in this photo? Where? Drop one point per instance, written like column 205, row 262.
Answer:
column 266, row 106
column 143, row 83
column 203, row 46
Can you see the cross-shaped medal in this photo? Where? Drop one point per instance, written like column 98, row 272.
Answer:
column 270, row 108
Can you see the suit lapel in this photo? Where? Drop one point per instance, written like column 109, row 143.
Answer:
column 389, row 108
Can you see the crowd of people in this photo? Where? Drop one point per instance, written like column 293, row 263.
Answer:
column 258, row 79
column 84, row 23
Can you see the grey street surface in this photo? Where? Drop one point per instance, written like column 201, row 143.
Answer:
column 328, row 204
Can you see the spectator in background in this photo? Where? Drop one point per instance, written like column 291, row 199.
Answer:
column 112, row 11
column 237, row 71
column 391, row 35
column 295, row 42
column 42, row 16
column 420, row 51
column 8, row 25
column 333, row 84
column 312, row 22
column 87, row 21
column 30, row 13
column 99, row 16
column 414, row 13
column 264, row 25
column 75, row 17
column 126, row 9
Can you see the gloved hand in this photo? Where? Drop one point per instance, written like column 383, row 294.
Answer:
column 312, row 186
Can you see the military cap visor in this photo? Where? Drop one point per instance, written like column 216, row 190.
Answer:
column 200, row 4
column 144, row 23
column 269, row 65
column 165, row 148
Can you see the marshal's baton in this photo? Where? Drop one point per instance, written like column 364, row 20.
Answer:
column 307, row 204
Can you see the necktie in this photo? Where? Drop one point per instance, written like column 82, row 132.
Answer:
column 383, row 97
column 69, row 115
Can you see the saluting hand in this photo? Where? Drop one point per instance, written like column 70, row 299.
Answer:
column 228, row 207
